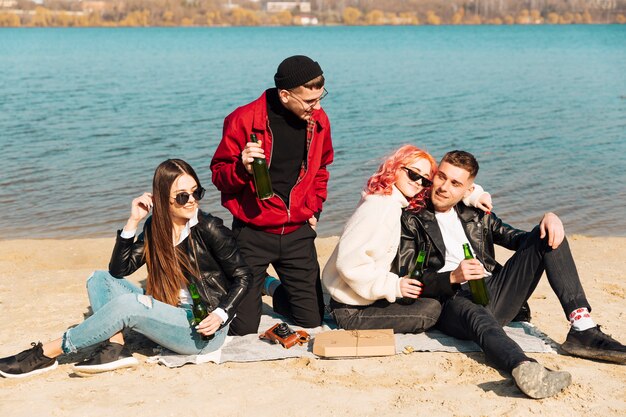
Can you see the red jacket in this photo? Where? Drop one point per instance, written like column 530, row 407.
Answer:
column 237, row 186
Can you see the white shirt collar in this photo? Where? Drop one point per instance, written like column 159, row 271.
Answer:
column 450, row 213
column 190, row 223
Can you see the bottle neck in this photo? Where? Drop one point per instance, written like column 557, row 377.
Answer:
column 466, row 252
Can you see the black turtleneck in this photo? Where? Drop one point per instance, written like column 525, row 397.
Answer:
column 289, row 145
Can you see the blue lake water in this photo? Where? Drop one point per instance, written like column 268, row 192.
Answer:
column 87, row 114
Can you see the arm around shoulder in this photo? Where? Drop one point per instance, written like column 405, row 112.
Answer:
column 479, row 198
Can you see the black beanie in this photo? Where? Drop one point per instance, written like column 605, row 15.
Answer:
column 295, row 71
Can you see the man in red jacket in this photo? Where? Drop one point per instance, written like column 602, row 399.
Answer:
column 293, row 135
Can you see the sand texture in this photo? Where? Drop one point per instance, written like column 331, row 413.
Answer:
column 42, row 291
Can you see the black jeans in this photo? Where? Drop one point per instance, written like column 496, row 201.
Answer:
column 412, row 318
column 508, row 290
column 294, row 258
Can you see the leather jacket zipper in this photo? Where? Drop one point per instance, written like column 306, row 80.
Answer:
column 217, row 284
column 427, row 249
column 209, row 276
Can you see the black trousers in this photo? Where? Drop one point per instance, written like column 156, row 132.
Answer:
column 413, row 318
column 294, row 258
column 508, row 290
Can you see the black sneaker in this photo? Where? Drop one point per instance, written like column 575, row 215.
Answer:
column 538, row 382
column 523, row 314
column 594, row 344
column 29, row 362
column 108, row 357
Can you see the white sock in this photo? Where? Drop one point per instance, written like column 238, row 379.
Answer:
column 580, row 319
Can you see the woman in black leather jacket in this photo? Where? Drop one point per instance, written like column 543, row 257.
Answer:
column 181, row 245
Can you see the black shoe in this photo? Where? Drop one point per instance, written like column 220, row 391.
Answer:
column 523, row 314
column 538, row 382
column 594, row 344
column 108, row 357
column 29, row 362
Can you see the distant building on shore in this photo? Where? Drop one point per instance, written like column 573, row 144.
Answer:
column 291, row 6
column 7, row 4
column 93, row 5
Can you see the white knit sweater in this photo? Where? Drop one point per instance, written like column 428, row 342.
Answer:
column 357, row 272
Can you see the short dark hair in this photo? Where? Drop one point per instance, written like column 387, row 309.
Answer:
column 462, row 159
column 315, row 84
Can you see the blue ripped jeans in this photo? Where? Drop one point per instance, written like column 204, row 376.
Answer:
column 117, row 304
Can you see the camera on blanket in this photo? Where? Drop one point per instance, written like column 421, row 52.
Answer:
column 282, row 333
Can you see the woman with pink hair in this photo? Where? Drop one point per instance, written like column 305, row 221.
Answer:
column 364, row 292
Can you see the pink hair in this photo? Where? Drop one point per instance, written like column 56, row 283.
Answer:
column 383, row 179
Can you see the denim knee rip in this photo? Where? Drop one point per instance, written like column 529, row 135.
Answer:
column 145, row 300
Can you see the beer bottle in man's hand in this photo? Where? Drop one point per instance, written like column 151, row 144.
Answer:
column 261, row 173
column 478, row 288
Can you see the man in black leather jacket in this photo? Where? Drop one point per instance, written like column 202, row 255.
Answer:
column 441, row 229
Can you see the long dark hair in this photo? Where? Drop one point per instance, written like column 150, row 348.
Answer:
column 165, row 262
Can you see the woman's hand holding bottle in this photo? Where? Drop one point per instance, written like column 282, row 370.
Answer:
column 209, row 325
column 410, row 288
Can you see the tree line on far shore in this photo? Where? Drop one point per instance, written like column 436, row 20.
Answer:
column 143, row 13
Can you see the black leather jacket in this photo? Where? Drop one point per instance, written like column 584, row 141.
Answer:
column 224, row 275
column 421, row 231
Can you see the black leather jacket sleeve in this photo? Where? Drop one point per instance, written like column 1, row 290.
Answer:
column 503, row 234
column 127, row 257
column 219, row 240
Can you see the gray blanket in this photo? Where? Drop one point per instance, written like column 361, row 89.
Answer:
column 250, row 348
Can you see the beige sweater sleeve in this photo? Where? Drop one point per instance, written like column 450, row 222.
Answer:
column 472, row 199
column 368, row 246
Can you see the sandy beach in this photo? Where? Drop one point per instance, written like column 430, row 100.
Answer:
column 42, row 293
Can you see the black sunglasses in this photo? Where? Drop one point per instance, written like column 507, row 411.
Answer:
column 417, row 178
column 183, row 198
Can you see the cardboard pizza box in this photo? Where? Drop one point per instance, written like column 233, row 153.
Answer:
column 354, row 343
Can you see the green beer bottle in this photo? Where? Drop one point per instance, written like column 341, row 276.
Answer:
column 416, row 273
column 478, row 287
column 261, row 173
column 199, row 310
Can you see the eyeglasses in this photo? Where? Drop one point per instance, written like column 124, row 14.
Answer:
column 183, row 198
column 312, row 102
column 417, row 178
